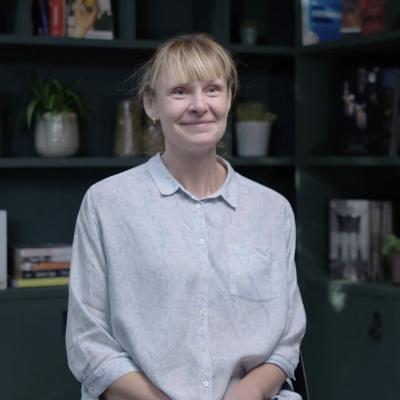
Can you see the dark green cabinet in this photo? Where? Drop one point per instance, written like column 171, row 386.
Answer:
column 33, row 363
column 352, row 342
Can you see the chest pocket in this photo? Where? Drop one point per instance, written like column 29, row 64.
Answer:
column 252, row 274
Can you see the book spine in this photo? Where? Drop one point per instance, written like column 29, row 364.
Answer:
column 56, row 251
column 44, row 17
column 3, row 249
column 43, row 265
column 372, row 16
column 57, row 17
column 45, row 274
column 40, row 282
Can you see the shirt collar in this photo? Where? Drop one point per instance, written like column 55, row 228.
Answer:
column 168, row 185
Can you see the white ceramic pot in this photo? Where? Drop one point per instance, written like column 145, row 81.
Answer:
column 252, row 138
column 57, row 135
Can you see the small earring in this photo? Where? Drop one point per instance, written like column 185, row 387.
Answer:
column 154, row 120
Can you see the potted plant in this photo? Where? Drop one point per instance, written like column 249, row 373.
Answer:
column 54, row 109
column 391, row 249
column 249, row 32
column 253, row 126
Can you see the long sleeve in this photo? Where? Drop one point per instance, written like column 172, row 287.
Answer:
column 286, row 354
column 94, row 356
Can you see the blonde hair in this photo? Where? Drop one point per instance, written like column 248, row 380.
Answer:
column 186, row 58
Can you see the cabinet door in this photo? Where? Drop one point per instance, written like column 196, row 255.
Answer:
column 33, row 361
column 361, row 339
column 354, row 346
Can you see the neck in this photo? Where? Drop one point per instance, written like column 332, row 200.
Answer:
column 200, row 174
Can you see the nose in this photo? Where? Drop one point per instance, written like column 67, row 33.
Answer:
column 198, row 102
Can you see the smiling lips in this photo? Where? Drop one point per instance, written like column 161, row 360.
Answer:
column 197, row 123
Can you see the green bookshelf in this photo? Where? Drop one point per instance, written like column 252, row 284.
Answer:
column 343, row 359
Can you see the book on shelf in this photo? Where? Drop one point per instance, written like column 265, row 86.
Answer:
column 90, row 19
column 3, row 249
column 372, row 16
column 40, row 282
column 36, row 265
column 49, row 273
column 321, row 20
column 357, row 230
column 40, row 17
column 351, row 17
column 48, row 251
column 2, row 130
column 32, row 264
column 58, row 17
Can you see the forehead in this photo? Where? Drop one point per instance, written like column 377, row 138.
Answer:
column 188, row 66
column 167, row 80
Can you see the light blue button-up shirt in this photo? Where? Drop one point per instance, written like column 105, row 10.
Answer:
column 192, row 292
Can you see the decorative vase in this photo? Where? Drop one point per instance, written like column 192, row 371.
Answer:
column 252, row 138
column 127, row 135
column 57, row 135
column 395, row 267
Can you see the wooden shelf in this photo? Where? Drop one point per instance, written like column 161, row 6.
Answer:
column 380, row 43
column 34, row 293
column 125, row 162
column 12, row 40
column 286, row 51
column 337, row 161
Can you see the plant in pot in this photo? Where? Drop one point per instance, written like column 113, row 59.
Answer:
column 54, row 109
column 391, row 249
column 253, row 127
column 248, row 32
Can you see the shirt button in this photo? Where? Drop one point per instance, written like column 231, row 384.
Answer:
column 198, row 205
column 202, row 241
column 206, row 383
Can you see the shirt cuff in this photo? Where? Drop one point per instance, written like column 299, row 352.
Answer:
column 281, row 362
column 105, row 375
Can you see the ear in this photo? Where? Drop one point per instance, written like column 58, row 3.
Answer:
column 229, row 100
column 149, row 105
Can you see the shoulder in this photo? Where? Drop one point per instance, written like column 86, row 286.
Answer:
column 257, row 195
column 119, row 188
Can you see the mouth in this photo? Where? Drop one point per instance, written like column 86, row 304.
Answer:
column 197, row 123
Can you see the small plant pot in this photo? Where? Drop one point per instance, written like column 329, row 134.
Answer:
column 252, row 138
column 248, row 35
column 57, row 135
column 395, row 267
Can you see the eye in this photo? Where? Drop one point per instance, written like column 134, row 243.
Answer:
column 179, row 91
column 214, row 90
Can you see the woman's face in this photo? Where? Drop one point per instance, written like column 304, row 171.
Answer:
column 192, row 115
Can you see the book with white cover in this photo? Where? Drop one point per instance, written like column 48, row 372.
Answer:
column 3, row 249
column 350, row 239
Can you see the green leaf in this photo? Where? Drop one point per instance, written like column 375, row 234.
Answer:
column 31, row 111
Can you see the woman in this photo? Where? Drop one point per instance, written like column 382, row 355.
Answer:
column 183, row 282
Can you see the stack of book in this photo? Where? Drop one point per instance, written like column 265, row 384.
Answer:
column 358, row 229
column 47, row 265
column 91, row 19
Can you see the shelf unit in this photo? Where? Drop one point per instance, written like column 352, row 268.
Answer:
column 42, row 196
